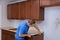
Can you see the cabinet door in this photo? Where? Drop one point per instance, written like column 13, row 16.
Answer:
column 9, row 14
column 28, row 10
column 3, row 36
column 25, row 10
column 7, row 35
column 12, row 37
column 13, row 11
column 21, row 10
column 36, row 11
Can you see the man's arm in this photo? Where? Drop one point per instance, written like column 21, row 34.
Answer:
column 23, row 35
column 36, row 26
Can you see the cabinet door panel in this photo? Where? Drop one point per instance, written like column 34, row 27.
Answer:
column 25, row 10
column 12, row 37
column 21, row 10
column 15, row 11
column 28, row 10
column 9, row 15
column 3, row 36
column 35, row 9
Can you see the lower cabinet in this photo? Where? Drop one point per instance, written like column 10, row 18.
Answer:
column 9, row 35
column 35, row 37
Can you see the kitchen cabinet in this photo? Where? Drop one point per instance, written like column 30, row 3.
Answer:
column 21, row 9
column 9, row 35
column 13, row 11
column 31, row 10
column 36, row 11
column 48, row 3
column 9, row 14
column 26, row 10
column 35, row 37
column 5, row 35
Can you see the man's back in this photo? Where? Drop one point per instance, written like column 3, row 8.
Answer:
column 22, row 29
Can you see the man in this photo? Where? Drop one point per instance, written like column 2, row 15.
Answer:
column 22, row 30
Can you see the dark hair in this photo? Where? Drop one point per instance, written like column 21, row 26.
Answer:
column 33, row 22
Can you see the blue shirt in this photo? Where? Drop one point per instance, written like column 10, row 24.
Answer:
column 22, row 29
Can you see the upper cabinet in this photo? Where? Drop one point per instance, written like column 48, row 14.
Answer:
column 13, row 11
column 48, row 3
column 30, row 9
column 26, row 10
column 36, row 11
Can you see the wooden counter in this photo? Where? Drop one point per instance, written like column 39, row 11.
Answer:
column 8, row 34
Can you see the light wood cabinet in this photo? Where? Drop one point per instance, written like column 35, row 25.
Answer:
column 7, row 35
column 21, row 10
column 10, row 35
column 9, row 15
column 35, row 37
column 32, row 9
column 36, row 11
column 26, row 10
column 13, row 11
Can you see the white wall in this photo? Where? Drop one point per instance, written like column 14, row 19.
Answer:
column 51, row 31
column 0, row 16
column 4, row 21
column 0, row 21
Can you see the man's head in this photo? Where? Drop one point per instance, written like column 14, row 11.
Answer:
column 31, row 22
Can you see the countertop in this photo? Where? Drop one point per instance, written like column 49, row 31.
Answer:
column 33, row 32
column 9, row 29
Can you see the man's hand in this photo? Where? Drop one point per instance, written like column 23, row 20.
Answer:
column 29, row 35
column 38, row 30
column 39, row 33
column 23, row 35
